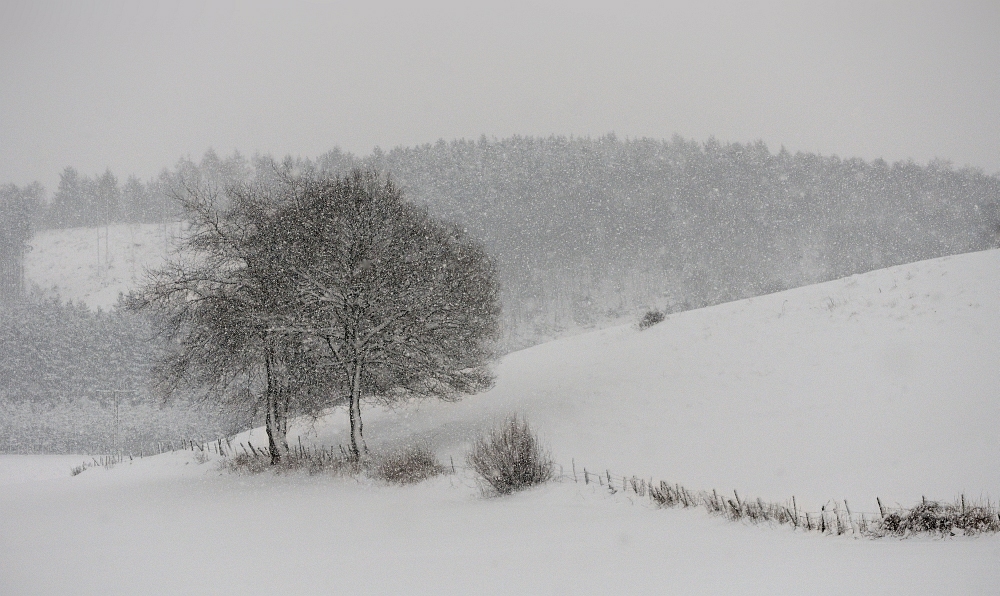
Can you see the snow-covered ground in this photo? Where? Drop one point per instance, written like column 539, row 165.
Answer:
column 94, row 265
column 882, row 384
column 176, row 529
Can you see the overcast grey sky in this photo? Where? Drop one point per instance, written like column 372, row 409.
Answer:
column 135, row 86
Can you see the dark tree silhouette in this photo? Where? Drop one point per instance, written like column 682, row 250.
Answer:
column 313, row 291
column 220, row 303
column 405, row 305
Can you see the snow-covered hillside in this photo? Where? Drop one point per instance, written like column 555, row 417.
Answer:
column 878, row 385
column 94, row 265
column 882, row 384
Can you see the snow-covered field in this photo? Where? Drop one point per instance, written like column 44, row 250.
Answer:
column 94, row 265
column 883, row 384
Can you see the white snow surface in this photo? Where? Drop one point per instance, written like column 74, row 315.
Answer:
column 882, row 384
column 94, row 265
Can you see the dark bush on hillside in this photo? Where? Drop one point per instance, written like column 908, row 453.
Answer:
column 406, row 466
column 652, row 317
column 511, row 457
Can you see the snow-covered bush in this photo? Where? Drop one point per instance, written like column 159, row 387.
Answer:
column 511, row 458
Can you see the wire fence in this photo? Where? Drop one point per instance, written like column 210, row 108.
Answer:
column 834, row 518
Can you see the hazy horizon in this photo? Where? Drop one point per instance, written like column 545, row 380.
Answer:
column 133, row 88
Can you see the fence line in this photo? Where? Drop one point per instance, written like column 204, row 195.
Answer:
column 838, row 519
column 834, row 517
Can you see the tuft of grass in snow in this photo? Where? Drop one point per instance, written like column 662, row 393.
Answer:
column 511, row 458
column 312, row 461
column 245, row 464
column 406, row 466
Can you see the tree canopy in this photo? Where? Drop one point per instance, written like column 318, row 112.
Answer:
column 304, row 291
column 405, row 304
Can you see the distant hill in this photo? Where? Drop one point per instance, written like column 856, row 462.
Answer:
column 589, row 230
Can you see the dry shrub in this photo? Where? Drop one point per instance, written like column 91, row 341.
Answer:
column 652, row 317
column 511, row 458
column 406, row 466
column 978, row 519
column 933, row 517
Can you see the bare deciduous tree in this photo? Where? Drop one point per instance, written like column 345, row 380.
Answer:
column 317, row 290
column 220, row 303
column 405, row 304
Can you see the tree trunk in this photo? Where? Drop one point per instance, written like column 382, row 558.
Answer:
column 277, row 428
column 357, row 438
column 276, row 420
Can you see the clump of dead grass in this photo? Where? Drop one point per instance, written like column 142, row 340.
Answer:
column 406, row 466
column 312, row 461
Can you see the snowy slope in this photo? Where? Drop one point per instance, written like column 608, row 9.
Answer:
column 882, row 384
column 93, row 265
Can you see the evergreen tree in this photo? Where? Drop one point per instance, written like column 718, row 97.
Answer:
column 18, row 209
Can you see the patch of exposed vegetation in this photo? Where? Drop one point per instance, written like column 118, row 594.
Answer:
column 511, row 458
